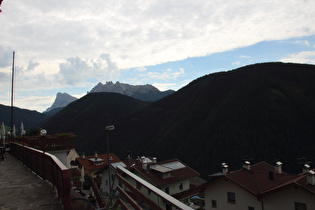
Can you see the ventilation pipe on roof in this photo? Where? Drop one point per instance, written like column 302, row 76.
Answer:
column 154, row 159
column 144, row 165
column 129, row 159
column 311, row 177
column 246, row 165
column 225, row 168
column 138, row 161
column 306, row 168
column 278, row 167
column 83, row 156
column 95, row 155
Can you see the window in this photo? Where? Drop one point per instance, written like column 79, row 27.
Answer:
column 181, row 186
column 251, row 208
column 167, row 190
column 300, row 206
column 214, row 203
column 231, row 197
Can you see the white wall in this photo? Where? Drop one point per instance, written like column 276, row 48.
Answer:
column 105, row 188
column 62, row 155
column 72, row 156
column 285, row 199
column 218, row 191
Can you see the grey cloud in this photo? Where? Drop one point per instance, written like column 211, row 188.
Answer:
column 31, row 65
column 5, row 57
column 76, row 70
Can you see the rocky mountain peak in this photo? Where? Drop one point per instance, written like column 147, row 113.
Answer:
column 62, row 100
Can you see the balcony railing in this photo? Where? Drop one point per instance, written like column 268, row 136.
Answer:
column 46, row 166
column 48, row 143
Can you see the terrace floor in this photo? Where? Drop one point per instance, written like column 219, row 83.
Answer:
column 22, row 189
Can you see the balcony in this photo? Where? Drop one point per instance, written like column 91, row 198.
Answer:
column 48, row 143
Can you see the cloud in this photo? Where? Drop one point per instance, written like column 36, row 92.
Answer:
column 136, row 35
column 141, row 69
column 169, row 74
column 236, row 63
column 305, row 42
column 164, row 86
column 301, row 57
column 5, row 57
column 31, row 65
column 76, row 70
column 142, row 33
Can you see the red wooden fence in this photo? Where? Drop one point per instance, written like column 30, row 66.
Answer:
column 46, row 166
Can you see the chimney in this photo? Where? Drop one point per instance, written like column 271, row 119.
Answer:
column 278, row 167
column 129, row 159
column 311, row 177
column 83, row 156
column 154, row 159
column 138, row 161
column 144, row 165
column 246, row 165
column 306, row 168
column 225, row 168
column 95, row 155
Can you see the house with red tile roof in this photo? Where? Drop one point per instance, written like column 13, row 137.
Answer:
column 171, row 176
column 261, row 186
column 94, row 163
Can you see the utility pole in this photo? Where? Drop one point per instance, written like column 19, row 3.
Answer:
column 12, row 90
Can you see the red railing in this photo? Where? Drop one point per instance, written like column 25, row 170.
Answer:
column 47, row 143
column 46, row 166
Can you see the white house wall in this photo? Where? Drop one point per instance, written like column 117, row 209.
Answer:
column 218, row 191
column 285, row 199
column 62, row 155
column 105, row 188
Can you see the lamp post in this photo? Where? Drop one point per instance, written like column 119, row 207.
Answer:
column 43, row 133
column 109, row 128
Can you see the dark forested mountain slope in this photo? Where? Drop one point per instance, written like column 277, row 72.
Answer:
column 28, row 117
column 263, row 111
column 88, row 116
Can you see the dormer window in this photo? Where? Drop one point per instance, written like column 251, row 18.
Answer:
column 97, row 161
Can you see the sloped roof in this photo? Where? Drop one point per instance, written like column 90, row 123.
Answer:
column 257, row 180
column 90, row 166
column 178, row 169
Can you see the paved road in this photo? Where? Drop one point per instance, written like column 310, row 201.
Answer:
column 21, row 189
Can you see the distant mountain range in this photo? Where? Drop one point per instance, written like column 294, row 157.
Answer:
column 259, row 112
column 141, row 92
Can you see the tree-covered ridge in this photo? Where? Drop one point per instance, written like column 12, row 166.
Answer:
column 262, row 111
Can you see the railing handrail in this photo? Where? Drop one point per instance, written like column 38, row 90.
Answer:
column 48, row 167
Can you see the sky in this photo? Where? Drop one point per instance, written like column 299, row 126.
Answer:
column 70, row 46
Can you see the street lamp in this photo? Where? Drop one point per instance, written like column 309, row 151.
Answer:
column 43, row 134
column 109, row 128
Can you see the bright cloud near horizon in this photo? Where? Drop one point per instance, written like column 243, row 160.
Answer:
column 70, row 46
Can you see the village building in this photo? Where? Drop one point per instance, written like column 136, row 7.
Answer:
column 94, row 163
column 261, row 186
column 171, row 176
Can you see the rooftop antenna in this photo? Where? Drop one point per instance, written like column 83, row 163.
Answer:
column 12, row 88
